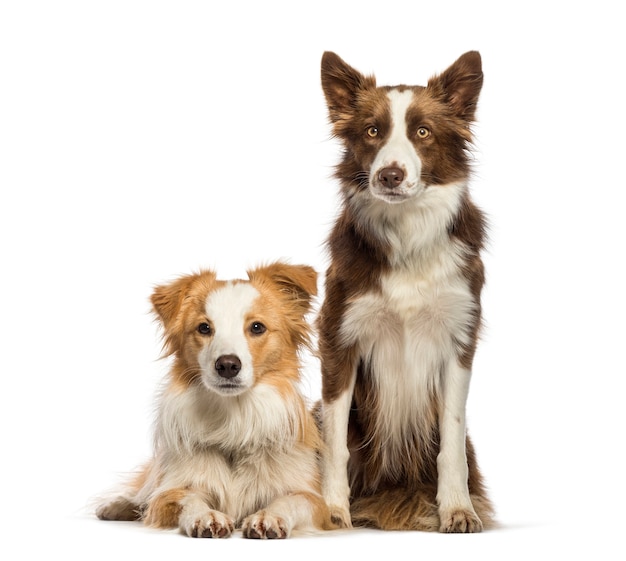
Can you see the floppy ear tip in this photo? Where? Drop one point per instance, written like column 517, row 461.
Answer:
column 305, row 277
column 158, row 299
column 308, row 279
column 166, row 298
column 301, row 277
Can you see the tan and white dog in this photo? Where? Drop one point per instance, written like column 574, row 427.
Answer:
column 235, row 445
column 400, row 320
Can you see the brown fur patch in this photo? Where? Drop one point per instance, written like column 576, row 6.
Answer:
column 321, row 514
column 164, row 510
column 412, row 505
column 372, row 464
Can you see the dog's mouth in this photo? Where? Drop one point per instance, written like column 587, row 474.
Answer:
column 394, row 195
column 227, row 387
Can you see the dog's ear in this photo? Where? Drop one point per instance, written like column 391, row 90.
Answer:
column 341, row 84
column 170, row 300
column 297, row 282
column 460, row 84
column 167, row 299
column 295, row 285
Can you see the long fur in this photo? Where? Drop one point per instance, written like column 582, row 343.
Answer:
column 399, row 324
column 239, row 449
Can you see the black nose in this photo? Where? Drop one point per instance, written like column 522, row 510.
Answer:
column 228, row 366
column 391, row 177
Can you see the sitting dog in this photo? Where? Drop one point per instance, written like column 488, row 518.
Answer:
column 399, row 324
column 235, row 445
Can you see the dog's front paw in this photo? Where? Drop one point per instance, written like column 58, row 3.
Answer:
column 214, row 524
column 460, row 521
column 265, row 525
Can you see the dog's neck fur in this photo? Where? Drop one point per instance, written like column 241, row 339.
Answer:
column 196, row 419
column 413, row 232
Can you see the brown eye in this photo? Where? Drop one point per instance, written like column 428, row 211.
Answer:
column 372, row 131
column 257, row 328
column 205, row 329
column 423, row 132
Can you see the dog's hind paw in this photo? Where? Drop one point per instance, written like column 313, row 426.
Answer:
column 264, row 525
column 460, row 521
column 118, row 508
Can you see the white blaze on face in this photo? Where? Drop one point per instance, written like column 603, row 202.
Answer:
column 398, row 152
column 228, row 309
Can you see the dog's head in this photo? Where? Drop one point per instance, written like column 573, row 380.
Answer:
column 231, row 335
column 401, row 140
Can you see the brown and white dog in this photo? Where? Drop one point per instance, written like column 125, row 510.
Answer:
column 235, row 445
column 401, row 315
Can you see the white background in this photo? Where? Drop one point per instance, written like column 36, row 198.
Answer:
column 143, row 140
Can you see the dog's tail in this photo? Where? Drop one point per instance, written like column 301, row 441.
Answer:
column 400, row 509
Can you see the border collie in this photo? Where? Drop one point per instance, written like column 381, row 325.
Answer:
column 235, row 445
column 399, row 323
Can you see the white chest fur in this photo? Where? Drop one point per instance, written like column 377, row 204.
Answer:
column 406, row 335
column 407, row 331
column 241, row 451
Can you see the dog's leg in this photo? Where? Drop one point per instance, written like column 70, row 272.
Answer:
column 190, row 512
column 335, row 486
column 298, row 510
column 456, row 512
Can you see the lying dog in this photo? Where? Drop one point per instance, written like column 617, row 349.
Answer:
column 235, row 445
column 400, row 319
